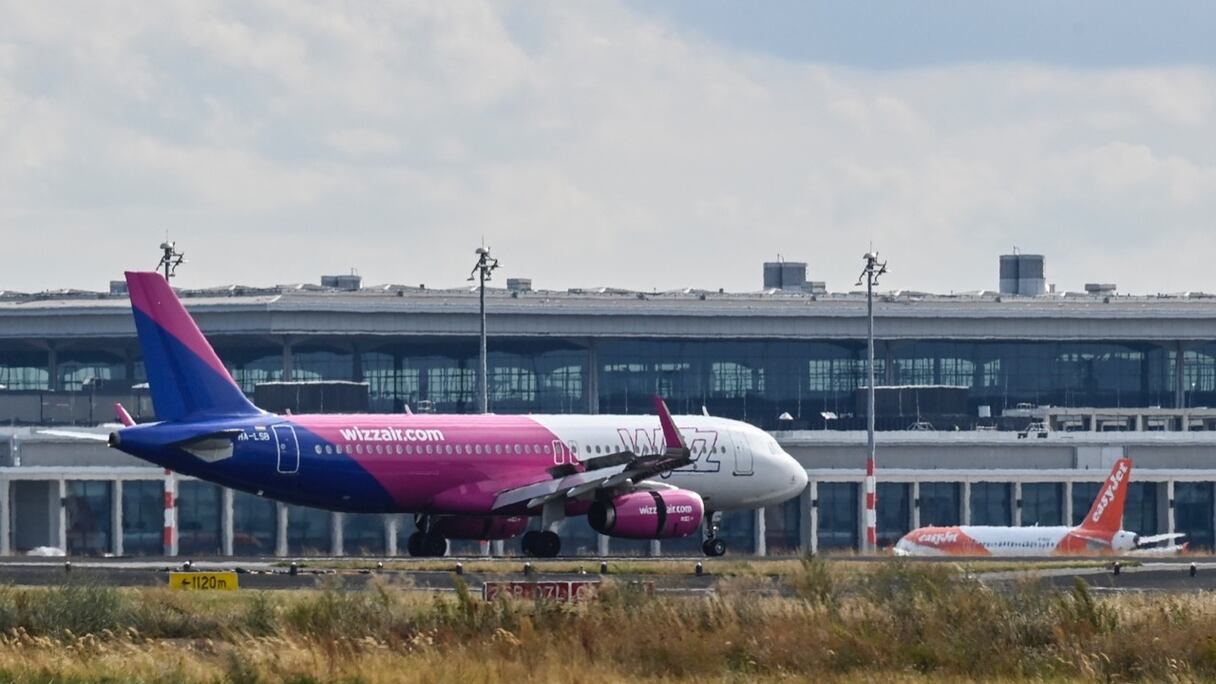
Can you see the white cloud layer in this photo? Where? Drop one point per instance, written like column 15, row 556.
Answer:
column 587, row 143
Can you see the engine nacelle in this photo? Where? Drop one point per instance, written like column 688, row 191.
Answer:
column 1124, row 541
column 659, row 514
column 476, row 527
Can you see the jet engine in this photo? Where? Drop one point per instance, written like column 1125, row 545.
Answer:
column 1124, row 541
column 661, row 514
column 476, row 527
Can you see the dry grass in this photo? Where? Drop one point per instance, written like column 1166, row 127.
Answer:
column 898, row 622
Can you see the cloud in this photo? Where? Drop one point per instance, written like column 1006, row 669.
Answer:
column 588, row 144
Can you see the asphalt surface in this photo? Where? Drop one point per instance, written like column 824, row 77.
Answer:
column 1166, row 575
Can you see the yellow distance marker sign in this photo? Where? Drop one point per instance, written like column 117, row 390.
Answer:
column 221, row 581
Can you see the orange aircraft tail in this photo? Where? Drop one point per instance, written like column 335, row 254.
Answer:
column 1105, row 517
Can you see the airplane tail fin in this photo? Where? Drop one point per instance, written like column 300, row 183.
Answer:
column 1105, row 517
column 184, row 374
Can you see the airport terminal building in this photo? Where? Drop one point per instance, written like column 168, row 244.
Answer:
column 1003, row 407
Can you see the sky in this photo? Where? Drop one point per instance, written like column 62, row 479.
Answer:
column 635, row 144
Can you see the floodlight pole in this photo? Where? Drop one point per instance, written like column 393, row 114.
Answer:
column 170, row 258
column 482, row 270
column 870, row 274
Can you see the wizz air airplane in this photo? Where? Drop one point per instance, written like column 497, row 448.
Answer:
column 1099, row 533
column 462, row 476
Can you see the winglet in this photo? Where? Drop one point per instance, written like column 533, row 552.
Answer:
column 671, row 435
column 123, row 416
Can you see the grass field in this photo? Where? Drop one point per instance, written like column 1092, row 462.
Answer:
column 897, row 622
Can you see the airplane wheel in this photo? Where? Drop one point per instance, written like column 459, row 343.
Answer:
column 714, row 547
column 414, row 545
column 528, row 543
column 434, row 544
column 546, row 544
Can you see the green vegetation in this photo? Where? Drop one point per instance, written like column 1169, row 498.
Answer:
column 897, row 622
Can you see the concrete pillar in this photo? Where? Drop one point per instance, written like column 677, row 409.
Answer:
column 601, row 544
column 915, row 505
column 1163, row 507
column 6, row 523
column 1017, row 503
column 812, row 514
column 656, row 548
column 335, row 533
column 61, row 520
column 116, row 517
column 1170, row 517
column 1067, row 512
column 498, row 548
column 280, row 537
column 1139, row 423
column 805, row 522
column 760, row 532
column 227, row 526
column 592, row 375
column 392, row 524
column 966, row 502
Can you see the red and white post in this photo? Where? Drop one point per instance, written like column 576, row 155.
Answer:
column 169, row 537
column 870, row 274
column 871, row 506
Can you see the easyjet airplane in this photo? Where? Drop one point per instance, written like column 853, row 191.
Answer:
column 463, row 476
column 1099, row 533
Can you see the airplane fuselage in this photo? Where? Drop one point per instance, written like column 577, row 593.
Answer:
column 455, row 464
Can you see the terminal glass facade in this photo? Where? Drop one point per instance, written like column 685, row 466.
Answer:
column 254, row 525
column 894, row 512
column 143, row 517
column 1042, row 503
column 940, row 503
column 89, row 517
column 991, row 503
column 1140, row 509
column 309, row 531
column 782, row 527
column 363, row 535
column 1193, row 513
column 198, row 518
column 1083, row 495
column 838, row 515
column 752, row 380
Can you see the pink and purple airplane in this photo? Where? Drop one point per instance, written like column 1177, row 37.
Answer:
column 462, row 476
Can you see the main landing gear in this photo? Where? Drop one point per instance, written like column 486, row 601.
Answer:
column 544, row 543
column 426, row 543
column 541, row 543
column 713, row 546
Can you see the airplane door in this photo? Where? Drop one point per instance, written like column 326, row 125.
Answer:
column 743, row 454
column 288, row 448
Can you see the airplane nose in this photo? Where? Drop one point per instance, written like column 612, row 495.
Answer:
column 796, row 474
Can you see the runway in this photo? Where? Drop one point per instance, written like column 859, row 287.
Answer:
column 1172, row 575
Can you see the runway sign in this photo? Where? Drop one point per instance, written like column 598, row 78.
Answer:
column 203, row 581
column 550, row 591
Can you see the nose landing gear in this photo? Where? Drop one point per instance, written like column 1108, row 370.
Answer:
column 713, row 546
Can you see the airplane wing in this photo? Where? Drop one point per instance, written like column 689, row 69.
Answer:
column 605, row 473
column 76, row 434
